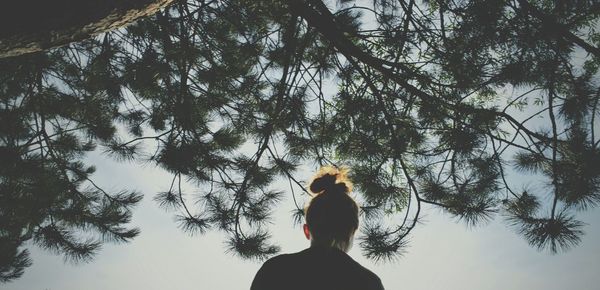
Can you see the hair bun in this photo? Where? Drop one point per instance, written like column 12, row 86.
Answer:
column 330, row 180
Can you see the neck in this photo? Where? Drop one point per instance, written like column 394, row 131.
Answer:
column 342, row 246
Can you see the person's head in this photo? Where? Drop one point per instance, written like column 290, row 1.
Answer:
column 331, row 215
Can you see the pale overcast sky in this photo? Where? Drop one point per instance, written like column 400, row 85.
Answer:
column 443, row 254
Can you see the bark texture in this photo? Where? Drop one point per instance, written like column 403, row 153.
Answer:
column 28, row 26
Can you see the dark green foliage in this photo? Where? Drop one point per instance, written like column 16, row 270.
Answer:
column 252, row 245
column 379, row 243
column 14, row 261
column 432, row 103
column 50, row 118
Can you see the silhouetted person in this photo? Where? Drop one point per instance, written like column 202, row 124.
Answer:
column 331, row 221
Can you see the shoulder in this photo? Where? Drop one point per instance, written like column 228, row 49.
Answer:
column 279, row 262
column 274, row 272
column 279, row 259
column 372, row 279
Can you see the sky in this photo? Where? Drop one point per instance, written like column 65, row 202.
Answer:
column 443, row 253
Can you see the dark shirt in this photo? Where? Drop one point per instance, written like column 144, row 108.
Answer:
column 315, row 268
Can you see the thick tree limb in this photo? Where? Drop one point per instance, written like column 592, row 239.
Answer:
column 28, row 26
column 559, row 28
column 323, row 21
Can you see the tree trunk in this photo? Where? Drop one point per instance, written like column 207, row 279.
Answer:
column 33, row 25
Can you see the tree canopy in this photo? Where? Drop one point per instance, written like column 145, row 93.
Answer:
column 428, row 102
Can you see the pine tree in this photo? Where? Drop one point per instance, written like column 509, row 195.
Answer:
column 422, row 112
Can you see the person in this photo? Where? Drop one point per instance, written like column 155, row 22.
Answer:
column 331, row 222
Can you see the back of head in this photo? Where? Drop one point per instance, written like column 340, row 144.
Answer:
column 332, row 215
